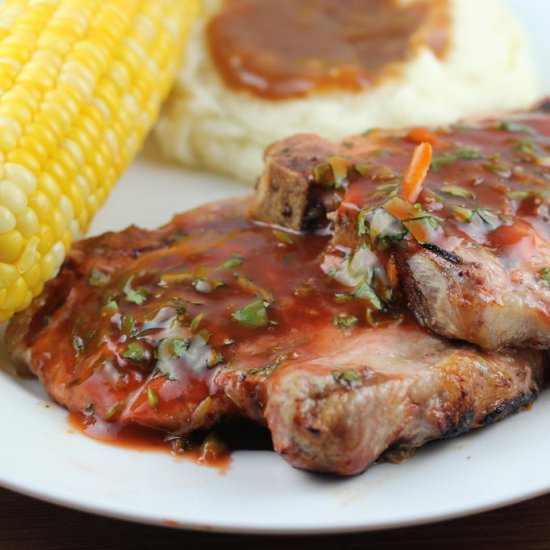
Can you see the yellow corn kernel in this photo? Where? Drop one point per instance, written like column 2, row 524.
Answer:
column 81, row 83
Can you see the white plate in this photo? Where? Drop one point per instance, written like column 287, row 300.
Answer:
column 42, row 457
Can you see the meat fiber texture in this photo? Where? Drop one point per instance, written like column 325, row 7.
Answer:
column 487, row 69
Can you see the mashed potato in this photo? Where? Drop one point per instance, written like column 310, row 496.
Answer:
column 487, row 68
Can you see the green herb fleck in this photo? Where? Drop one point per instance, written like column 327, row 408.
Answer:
column 498, row 168
column 462, row 214
column 488, row 217
column 362, row 223
column 128, row 325
column 111, row 305
column 195, row 323
column 252, row 315
column 251, row 287
column 457, row 191
column 205, row 335
column 152, row 398
column 179, row 306
column 347, row 377
column 510, row 126
column 342, row 297
column 112, row 412
column 463, row 153
column 262, row 371
column 231, row 263
column 136, row 296
column 365, row 290
column 98, row 278
column 136, row 352
column 544, row 274
column 345, row 321
column 283, row 236
column 178, row 346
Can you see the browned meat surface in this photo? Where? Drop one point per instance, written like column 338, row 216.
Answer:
column 214, row 316
column 391, row 388
column 472, row 254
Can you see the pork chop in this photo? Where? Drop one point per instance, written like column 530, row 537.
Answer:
column 214, row 316
column 472, row 254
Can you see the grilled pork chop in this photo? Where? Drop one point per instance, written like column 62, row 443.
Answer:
column 472, row 255
column 214, row 316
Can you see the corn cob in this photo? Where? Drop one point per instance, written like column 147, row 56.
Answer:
column 81, row 82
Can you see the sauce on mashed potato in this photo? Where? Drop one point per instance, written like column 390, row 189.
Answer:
column 279, row 49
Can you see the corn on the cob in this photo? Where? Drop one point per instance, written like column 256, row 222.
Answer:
column 81, row 82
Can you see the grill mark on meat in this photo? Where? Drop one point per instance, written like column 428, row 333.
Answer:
column 448, row 256
column 506, row 407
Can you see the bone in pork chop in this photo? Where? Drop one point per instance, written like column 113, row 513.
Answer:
column 214, row 316
column 473, row 254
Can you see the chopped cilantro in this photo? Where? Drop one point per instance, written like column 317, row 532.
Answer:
column 231, row 263
column 136, row 352
column 362, row 224
column 283, row 236
column 510, row 126
column 462, row 153
column 347, row 377
column 544, row 274
column 342, row 297
column 178, row 346
column 135, row 296
column 462, row 214
column 112, row 411
column 252, row 315
column 195, row 323
column 457, row 191
column 152, row 398
column 111, row 305
column 488, row 217
column 138, row 296
column 128, row 325
column 365, row 290
column 344, row 321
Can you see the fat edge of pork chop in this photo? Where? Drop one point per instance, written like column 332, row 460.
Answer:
column 471, row 294
column 340, row 411
column 492, row 297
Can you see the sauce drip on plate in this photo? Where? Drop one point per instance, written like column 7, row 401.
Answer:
column 212, row 450
column 280, row 49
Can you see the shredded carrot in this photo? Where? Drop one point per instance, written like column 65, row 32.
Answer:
column 420, row 135
column 391, row 270
column 416, row 174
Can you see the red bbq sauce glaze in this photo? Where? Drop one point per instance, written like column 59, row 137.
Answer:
column 150, row 319
column 488, row 184
column 288, row 48
column 211, row 453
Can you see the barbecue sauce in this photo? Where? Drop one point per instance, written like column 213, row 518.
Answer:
column 139, row 438
column 488, row 185
column 151, row 320
column 281, row 49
